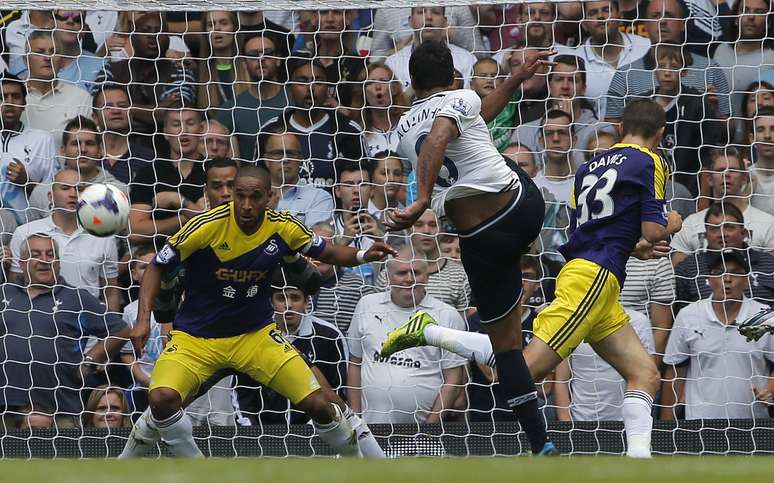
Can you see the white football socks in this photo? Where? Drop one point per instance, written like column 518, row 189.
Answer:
column 339, row 434
column 470, row 345
column 177, row 434
column 365, row 439
column 638, row 423
column 142, row 437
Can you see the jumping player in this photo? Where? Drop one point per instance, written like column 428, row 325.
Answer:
column 618, row 199
column 497, row 209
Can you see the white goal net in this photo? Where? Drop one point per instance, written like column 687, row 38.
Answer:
column 166, row 99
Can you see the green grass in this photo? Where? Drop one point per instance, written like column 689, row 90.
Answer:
column 425, row 470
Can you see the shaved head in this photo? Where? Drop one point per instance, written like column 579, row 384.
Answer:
column 257, row 172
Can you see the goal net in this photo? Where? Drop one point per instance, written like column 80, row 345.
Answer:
column 165, row 99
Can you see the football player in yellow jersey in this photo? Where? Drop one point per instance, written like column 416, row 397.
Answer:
column 226, row 320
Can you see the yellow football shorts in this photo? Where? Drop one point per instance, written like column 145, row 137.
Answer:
column 265, row 355
column 586, row 307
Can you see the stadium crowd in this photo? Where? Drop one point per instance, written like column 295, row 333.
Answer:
column 166, row 107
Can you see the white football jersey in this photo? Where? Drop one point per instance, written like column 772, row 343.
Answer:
column 472, row 164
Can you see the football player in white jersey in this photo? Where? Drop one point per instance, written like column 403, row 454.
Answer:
column 494, row 205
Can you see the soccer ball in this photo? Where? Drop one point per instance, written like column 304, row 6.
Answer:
column 103, row 210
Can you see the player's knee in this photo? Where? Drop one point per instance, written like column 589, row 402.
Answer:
column 164, row 402
column 504, row 336
column 647, row 378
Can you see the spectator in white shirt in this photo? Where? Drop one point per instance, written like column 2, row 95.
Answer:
column 87, row 262
column 50, row 102
column 429, row 23
column 725, row 376
column 606, row 49
column 417, row 385
column 729, row 181
column 587, row 388
column 556, row 177
column 17, row 31
column 27, row 156
column 762, row 141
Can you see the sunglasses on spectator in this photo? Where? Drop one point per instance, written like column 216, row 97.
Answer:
column 65, row 16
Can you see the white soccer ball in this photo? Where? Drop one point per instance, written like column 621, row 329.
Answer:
column 103, row 210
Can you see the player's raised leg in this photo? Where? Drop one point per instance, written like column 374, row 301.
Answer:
column 623, row 350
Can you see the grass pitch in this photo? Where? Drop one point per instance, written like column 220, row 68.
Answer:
column 424, row 470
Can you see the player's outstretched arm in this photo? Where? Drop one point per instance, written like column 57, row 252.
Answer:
column 149, row 290
column 496, row 101
column 429, row 165
column 344, row 256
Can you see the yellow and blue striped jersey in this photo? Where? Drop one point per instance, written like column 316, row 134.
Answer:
column 612, row 194
column 226, row 284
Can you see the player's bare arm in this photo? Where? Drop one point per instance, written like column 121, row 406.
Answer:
column 428, row 165
column 495, row 102
column 340, row 255
column 149, row 290
column 654, row 232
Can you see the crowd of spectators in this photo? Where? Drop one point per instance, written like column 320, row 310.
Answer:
column 167, row 106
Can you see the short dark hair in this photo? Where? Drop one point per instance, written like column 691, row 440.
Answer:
column 346, row 165
column 727, row 152
column 281, row 279
column 434, row 6
column 79, row 123
column 643, row 117
column 254, row 171
column 302, row 60
column 724, row 208
column 10, row 79
column 219, row 163
column 573, row 61
column 767, row 111
column 555, row 114
column 99, row 93
column 431, row 65
column 533, row 262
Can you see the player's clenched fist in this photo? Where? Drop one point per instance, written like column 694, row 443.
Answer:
column 139, row 336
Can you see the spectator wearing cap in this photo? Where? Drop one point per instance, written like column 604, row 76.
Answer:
column 729, row 182
column 320, row 342
column 725, row 229
column 325, row 134
column 265, row 98
column 281, row 154
column 724, row 376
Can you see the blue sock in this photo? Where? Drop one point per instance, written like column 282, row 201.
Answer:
column 519, row 389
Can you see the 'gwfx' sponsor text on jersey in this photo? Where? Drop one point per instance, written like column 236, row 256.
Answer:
column 226, row 285
column 612, row 194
